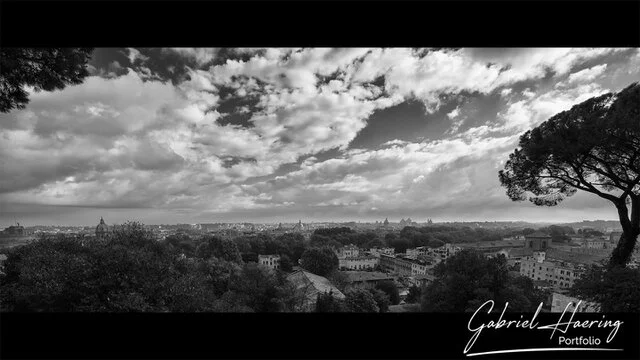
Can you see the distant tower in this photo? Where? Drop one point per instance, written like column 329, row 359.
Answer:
column 102, row 229
column 386, row 222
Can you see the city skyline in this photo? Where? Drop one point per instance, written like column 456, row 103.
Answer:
column 182, row 135
column 291, row 222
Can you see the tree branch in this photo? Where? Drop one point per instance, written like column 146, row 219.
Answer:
column 593, row 189
column 611, row 174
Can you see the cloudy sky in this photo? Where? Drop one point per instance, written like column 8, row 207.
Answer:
column 184, row 135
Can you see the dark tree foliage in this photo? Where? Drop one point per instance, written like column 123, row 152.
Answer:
column 218, row 273
column 328, row 303
column 286, row 264
column 593, row 147
column 390, row 288
column 291, row 245
column 324, row 241
column 244, row 246
column 559, row 234
column 381, row 299
column 400, row 244
column 129, row 271
column 414, row 295
column 435, row 236
column 320, row 240
column 332, row 232
column 356, row 300
column 390, row 237
column 590, row 233
column 338, row 237
column 468, row 279
column 42, row 69
column 320, row 260
column 375, row 243
column 220, row 248
column 360, row 301
column 261, row 289
column 249, row 257
column 339, row 279
column 561, row 230
column 182, row 243
column 616, row 289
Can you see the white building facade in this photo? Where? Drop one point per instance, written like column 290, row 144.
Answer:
column 270, row 261
column 559, row 274
column 358, row 263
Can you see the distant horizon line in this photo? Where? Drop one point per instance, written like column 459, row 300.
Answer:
column 343, row 222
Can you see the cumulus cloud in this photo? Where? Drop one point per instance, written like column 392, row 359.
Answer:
column 134, row 54
column 533, row 110
column 125, row 139
column 388, row 177
column 534, row 63
column 395, row 142
column 454, row 113
column 506, row 92
column 456, row 120
column 201, row 56
column 587, row 74
column 427, row 76
column 583, row 76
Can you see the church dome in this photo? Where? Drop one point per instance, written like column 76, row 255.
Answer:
column 102, row 229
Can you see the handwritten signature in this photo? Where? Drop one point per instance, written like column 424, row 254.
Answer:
column 561, row 326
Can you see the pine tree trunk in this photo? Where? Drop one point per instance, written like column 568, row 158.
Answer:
column 621, row 255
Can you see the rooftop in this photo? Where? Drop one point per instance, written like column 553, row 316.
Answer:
column 520, row 252
column 357, row 276
column 491, row 244
column 321, row 284
column 360, row 257
column 574, row 257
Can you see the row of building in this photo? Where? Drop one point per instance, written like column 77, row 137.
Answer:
column 549, row 265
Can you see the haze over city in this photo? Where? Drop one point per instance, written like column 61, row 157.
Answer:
column 184, row 135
